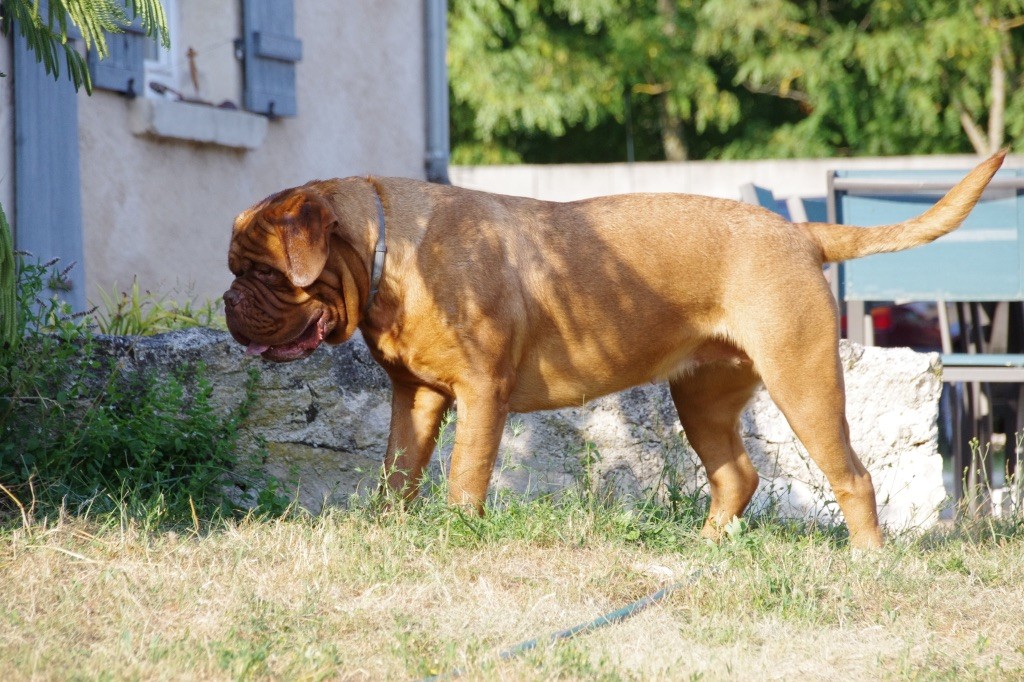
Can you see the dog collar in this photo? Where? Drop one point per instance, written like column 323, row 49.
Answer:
column 379, row 252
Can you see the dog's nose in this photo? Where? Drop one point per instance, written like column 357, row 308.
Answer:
column 231, row 297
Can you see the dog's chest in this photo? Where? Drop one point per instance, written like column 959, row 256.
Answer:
column 423, row 362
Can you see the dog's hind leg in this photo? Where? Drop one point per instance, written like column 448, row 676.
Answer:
column 416, row 413
column 799, row 363
column 710, row 401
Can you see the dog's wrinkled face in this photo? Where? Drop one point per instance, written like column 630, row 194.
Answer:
column 277, row 306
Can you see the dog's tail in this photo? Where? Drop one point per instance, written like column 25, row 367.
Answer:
column 844, row 242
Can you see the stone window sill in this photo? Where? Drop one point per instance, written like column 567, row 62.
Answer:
column 169, row 119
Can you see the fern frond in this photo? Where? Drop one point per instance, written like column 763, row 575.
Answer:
column 92, row 18
column 154, row 19
column 92, row 21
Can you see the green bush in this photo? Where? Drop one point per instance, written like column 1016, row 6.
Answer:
column 79, row 432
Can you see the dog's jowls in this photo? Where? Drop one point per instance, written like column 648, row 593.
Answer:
column 502, row 304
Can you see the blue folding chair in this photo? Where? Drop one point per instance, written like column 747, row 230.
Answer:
column 978, row 268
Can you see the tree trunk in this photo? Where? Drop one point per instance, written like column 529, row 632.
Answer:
column 997, row 114
column 987, row 144
column 672, row 141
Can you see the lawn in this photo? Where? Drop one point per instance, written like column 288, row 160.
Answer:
column 365, row 594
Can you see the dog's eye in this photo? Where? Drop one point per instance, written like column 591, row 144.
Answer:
column 266, row 274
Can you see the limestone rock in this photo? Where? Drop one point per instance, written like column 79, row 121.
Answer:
column 324, row 421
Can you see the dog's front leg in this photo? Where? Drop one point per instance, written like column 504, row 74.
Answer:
column 416, row 413
column 481, row 411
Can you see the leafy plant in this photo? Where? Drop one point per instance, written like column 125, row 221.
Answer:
column 138, row 313
column 78, row 431
column 8, row 285
column 49, row 36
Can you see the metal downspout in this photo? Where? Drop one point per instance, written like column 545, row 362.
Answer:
column 438, row 142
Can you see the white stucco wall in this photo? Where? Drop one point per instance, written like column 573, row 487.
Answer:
column 162, row 210
column 787, row 178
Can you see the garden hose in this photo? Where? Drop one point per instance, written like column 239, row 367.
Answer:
column 616, row 616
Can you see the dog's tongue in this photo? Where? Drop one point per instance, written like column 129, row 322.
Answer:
column 256, row 348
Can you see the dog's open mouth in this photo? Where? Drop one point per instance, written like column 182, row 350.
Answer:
column 296, row 349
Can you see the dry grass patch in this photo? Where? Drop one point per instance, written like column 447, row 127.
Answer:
column 356, row 595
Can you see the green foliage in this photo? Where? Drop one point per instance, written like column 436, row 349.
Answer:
column 138, row 313
column 49, row 36
column 544, row 80
column 77, row 430
column 8, row 285
column 878, row 77
column 539, row 67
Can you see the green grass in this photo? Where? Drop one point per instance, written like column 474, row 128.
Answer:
column 376, row 592
column 143, row 313
column 120, row 558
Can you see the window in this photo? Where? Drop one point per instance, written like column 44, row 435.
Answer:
column 159, row 62
column 268, row 48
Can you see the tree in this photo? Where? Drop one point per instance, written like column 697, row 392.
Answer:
column 734, row 78
column 48, row 36
column 880, row 77
column 544, row 67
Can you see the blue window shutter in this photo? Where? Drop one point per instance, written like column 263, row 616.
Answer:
column 123, row 70
column 271, row 52
column 47, row 185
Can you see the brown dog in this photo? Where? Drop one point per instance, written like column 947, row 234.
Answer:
column 509, row 304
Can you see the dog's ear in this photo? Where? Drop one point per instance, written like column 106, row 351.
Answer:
column 303, row 223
